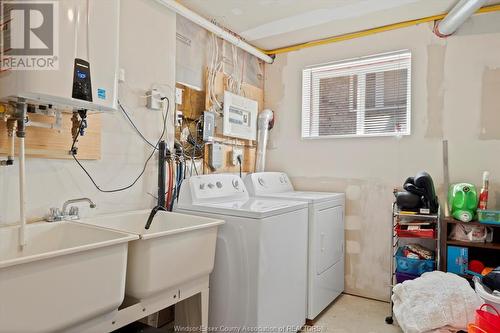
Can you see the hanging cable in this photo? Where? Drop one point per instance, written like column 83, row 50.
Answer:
column 155, row 147
column 239, row 162
column 134, row 126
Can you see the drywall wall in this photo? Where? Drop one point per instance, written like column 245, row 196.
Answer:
column 368, row 169
column 146, row 61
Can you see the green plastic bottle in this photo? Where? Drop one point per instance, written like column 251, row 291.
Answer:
column 463, row 201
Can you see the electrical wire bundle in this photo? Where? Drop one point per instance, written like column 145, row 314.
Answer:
column 213, row 69
column 179, row 176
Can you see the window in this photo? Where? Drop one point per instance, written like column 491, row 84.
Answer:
column 368, row 96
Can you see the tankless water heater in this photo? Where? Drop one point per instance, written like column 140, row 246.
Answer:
column 84, row 44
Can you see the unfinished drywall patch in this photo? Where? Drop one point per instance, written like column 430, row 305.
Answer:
column 490, row 105
column 435, row 90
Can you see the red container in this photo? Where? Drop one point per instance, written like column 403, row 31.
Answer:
column 486, row 320
column 422, row 233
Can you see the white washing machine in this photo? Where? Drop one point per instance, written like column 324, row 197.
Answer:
column 260, row 276
column 326, row 235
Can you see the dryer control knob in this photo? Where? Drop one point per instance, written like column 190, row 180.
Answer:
column 261, row 181
column 218, row 184
column 236, row 184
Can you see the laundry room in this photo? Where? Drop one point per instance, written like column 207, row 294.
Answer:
column 261, row 166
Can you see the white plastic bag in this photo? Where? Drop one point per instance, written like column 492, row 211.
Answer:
column 471, row 233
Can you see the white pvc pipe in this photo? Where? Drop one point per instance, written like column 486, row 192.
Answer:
column 12, row 146
column 22, row 199
column 265, row 117
column 204, row 23
column 457, row 16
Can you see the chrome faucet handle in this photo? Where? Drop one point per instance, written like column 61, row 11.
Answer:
column 54, row 215
column 73, row 212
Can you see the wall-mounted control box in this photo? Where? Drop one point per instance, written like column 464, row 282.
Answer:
column 240, row 116
column 208, row 126
column 217, row 152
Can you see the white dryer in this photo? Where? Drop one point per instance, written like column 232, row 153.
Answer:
column 326, row 235
column 259, row 281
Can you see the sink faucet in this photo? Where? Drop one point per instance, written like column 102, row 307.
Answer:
column 56, row 214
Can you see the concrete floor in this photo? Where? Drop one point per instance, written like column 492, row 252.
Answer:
column 348, row 314
column 352, row 314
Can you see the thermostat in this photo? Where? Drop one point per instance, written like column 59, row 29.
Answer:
column 240, row 116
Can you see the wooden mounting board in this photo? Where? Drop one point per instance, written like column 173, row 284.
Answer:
column 249, row 146
column 55, row 144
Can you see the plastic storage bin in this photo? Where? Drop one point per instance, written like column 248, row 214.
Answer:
column 488, row 216
column 402, row 231
column 413, row 266
column 485, row 295
column 402, row 277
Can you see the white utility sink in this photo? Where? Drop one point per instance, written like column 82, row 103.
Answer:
column 176, row 249
column 66, row 274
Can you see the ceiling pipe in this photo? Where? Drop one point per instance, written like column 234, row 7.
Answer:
column 457, row 16
column 204, row 23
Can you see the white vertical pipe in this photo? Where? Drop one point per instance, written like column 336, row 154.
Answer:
column 12, row 145
column 204, row 23
column 457, row 16
column 22, row 199
column 265, row 117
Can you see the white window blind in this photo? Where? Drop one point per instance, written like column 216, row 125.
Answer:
column 367, row 96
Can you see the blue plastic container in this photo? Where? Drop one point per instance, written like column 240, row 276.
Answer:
column 489, row 216
column 457, row 259
column 413, row 266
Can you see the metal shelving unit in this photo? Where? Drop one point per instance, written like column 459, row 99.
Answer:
column 398, row 216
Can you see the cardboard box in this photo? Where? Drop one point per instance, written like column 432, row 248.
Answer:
column 457, row 259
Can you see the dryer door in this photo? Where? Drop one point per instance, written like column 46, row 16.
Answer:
column 329, row 237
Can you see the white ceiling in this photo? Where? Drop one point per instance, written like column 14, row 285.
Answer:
column 270, row 24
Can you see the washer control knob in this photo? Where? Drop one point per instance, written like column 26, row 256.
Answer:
column 210, row 185
column 218, row 184
column 261, row 181
column 202, row 186
column 236, row 184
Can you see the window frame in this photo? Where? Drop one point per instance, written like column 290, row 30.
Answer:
column 377, row 63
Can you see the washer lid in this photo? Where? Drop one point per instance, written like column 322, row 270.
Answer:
column 311, row 197
column 256, row 208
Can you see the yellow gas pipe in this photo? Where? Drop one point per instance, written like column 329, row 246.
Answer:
column 368, row 32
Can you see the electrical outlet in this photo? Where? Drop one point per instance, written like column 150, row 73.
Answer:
column 153, row 99
column 237, row 151
column 179, row 118
column 178, row 96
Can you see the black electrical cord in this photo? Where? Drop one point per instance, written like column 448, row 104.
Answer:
column 165, row 116
column 134, row 126
column 239, row 162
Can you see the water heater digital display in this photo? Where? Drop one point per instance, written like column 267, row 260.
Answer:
column 82, row 86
